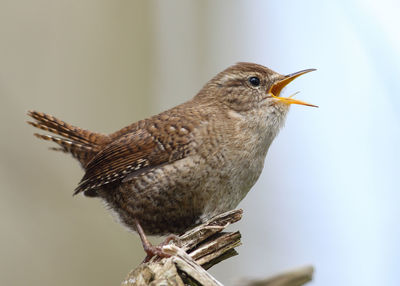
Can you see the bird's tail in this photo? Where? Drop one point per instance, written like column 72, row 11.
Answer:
column 82, row 144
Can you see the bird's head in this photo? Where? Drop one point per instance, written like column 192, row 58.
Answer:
column 246, row 87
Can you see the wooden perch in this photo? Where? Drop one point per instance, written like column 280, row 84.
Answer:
column 295, row 277
column 199, row 249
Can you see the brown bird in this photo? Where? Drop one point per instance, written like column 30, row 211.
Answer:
column 165, row 174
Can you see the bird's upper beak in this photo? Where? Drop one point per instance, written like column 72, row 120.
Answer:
column 277, row 87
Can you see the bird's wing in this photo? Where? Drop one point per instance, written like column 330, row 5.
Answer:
column 135, row 152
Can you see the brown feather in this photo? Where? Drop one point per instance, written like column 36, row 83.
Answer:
column 136, row 151
column 82, row 144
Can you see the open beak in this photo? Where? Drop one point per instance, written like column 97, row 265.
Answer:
column 277, row 87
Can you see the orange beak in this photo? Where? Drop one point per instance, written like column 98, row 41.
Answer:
column 277, row 87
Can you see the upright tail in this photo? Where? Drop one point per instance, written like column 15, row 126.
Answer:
column 82, row 144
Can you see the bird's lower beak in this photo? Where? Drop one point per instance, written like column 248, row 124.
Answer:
column 277, row 87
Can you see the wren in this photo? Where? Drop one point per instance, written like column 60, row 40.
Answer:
column 167, row 173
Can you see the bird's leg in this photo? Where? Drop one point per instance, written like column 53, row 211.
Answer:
column 150, row 249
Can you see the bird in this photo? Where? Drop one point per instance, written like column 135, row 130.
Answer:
column 172, row 171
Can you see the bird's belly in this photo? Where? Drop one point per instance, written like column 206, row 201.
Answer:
column 176, row 197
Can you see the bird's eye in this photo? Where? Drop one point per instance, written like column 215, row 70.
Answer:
column 254, row 81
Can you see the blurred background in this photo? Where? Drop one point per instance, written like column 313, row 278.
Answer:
column 329, row 193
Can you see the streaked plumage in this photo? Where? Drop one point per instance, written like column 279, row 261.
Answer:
column 187, row 164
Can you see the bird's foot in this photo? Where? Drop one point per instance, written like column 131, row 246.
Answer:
column 152, row 250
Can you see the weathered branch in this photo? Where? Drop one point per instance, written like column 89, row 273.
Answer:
column 199, row 249
column 295, row 277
